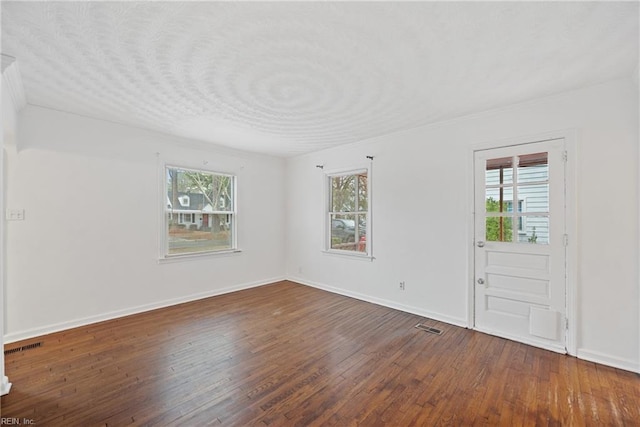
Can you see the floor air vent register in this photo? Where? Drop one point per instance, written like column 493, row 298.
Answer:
column 428, row 329
column 23, row 348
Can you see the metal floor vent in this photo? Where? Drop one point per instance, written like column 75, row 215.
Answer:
column 23, row 348
column 429, row 329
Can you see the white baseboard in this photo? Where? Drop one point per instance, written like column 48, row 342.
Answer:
column 5, row 386
column 606, row 359
column 383, row 302
column 592, row 356
column 49, row 329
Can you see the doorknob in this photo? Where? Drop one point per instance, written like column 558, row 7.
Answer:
column 481, row 281
column 480, row 244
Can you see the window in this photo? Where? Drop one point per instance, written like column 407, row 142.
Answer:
column 348, row 212
column 184, row 218
column 200, row 214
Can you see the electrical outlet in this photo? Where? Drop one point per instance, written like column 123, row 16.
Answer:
column 299, row 270
column 15, row 214
column 402, row 286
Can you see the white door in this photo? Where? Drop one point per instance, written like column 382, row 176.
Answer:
column 520, row 267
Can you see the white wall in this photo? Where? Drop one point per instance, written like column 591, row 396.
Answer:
column 88, row 247
column 8, row 124
column 12, row 101
column 421, row 215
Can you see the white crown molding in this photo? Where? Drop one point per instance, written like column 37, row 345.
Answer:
column 12, row 82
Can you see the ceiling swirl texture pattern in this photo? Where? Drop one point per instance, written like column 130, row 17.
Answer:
column 291, row 78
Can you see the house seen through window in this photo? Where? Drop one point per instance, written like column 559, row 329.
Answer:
column 200, row 215
column 523, row 180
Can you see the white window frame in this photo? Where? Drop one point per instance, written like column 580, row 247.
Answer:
column 327, row 214
column 164, row 254
column 520, row 215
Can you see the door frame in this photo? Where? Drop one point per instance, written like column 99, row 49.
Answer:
column 571, row 224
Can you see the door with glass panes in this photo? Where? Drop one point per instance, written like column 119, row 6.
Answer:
column 520, row 268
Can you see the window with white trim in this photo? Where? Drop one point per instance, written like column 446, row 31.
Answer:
column 348, row 213
column 200, row 212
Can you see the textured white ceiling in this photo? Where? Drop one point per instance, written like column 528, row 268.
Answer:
column 290, row 78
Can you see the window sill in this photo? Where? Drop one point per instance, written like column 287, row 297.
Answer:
column 346, row 254
column 195, row 256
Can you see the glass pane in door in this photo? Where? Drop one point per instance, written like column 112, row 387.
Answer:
column 533, row 198
column 499, row 229
column 499, row 199
column 499, row 171
column 533, row 167
column 535, row 229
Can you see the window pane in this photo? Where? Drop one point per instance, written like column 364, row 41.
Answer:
column 221, row 193
column 499, row 171
column 343, row 193
column 200, row 191
column 363, row 202
column 536, row 196
column 493, row 197
column 362, row 233
column 499, row 229
column 207, row 232
column 348, row 232
column 533, row 167
column 536, row 230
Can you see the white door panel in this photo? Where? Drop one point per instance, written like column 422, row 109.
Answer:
column 520, row 267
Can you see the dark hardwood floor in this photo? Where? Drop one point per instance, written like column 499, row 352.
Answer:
column 290, row 355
